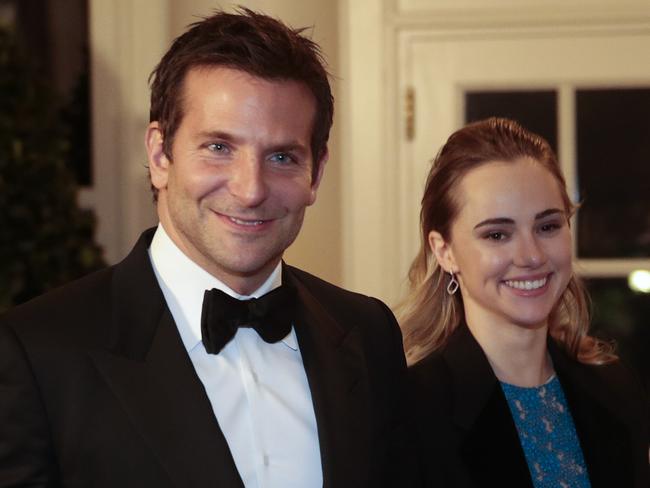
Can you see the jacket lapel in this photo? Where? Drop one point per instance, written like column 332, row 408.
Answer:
column 597, row 416
column 335, row 365
column 150, row 373
column 489, row 447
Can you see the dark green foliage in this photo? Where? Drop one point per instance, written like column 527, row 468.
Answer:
column 45, row 238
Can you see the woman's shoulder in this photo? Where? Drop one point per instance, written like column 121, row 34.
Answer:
column 610, row 410
column 616, row 378
column 620, row 376
column 620, row 383
column 614, row 386
column 458, row 359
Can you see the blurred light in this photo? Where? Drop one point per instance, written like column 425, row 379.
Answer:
column 639, row 280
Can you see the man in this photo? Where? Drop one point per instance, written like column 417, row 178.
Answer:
column 129, row 377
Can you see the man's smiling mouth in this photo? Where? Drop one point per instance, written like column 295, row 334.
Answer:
column 248, row 223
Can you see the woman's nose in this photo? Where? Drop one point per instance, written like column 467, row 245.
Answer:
column 529, row 253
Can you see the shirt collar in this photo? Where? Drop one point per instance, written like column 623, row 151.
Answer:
column 183, row 283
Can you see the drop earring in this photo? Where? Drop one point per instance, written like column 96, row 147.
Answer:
column 452, row 287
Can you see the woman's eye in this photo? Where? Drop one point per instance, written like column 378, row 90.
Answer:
column 550, row 227
column 495, row 236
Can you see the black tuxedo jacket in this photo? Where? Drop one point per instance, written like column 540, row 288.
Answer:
column 466, row 436
column 96, row 388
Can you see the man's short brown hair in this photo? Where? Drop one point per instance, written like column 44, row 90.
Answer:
column 250, row 42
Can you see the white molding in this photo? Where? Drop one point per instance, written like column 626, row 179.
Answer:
column 454, row 13
column 366, row 210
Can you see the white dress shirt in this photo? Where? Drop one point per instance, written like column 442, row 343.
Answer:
column 258, row 391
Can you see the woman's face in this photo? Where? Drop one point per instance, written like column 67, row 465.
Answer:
column 510, row 244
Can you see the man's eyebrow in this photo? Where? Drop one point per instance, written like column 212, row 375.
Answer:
column 288, row 146
column 218, row 134
column 509, row 221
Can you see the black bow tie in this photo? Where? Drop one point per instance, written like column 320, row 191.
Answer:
column 271, row 316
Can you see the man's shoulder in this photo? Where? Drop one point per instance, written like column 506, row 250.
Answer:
column 87, row 300
column 333, row 296
column 371, row 317
column 313, row 282
column 64, row 306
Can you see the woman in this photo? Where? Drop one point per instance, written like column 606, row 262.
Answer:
column 510, row 390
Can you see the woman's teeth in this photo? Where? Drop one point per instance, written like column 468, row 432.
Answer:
column 526, row 284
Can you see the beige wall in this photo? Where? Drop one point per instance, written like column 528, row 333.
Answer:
column 318, row 249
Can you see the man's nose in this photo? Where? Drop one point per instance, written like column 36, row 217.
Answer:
column 247, row 181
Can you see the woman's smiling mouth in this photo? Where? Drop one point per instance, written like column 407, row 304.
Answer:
column 532, row 284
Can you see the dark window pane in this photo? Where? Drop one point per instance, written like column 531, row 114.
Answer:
column 622, row 315
column 613, row 131
column 535, row 110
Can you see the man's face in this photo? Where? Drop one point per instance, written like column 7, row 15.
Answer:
column 233, row 197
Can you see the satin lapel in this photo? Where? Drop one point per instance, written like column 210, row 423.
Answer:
column 597, row 418
column 336, row 370
column 490, row 447
column 152, row 377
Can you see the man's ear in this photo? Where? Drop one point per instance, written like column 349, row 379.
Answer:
column 442, row 251
column 318, row 177
column 158, row 162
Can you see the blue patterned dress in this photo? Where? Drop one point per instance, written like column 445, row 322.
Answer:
column 547, row 435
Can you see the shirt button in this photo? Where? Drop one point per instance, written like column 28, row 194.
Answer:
column 254, row 376
column 266, row 460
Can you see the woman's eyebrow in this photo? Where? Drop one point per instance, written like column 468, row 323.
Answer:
column 498, row 220
column 547, row 212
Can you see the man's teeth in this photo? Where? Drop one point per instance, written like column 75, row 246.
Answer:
column 246, row 222
column 526, row 284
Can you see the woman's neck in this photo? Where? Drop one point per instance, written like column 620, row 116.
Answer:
column 518, row 355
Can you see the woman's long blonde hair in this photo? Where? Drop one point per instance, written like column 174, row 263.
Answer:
column 429, row 314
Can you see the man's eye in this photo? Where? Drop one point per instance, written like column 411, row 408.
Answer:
column 282, row 158
column 217, row 147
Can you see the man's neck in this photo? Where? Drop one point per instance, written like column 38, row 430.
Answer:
column 239, row 285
